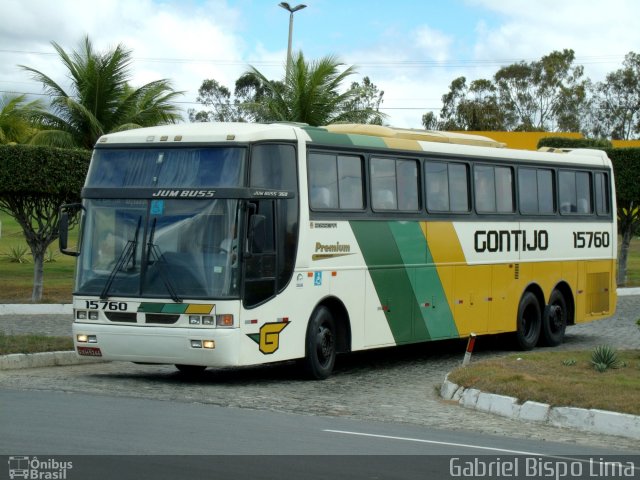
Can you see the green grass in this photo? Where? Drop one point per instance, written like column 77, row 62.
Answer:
column 633, row 263
column 17, row 278
column 558, row 379
column 33, row 344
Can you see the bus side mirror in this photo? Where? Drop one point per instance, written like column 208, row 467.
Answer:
column 63, row 228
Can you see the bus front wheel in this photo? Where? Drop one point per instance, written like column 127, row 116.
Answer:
column 320, row 344
column 529, row 322
column 555, row 319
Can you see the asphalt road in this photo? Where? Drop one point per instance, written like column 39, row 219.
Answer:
column 68, row 426
column 122, row 408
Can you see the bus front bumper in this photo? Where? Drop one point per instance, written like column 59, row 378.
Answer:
column 215, row 347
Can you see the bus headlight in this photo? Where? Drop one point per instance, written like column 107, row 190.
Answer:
column 82, row 338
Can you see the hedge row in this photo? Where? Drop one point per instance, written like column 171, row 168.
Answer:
column 32, row 170
column 562, row 142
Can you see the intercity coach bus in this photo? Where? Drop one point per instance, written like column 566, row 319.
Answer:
column 229, row 244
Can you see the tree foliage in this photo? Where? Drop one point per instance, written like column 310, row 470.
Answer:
column 34, row 182
column 310, row 93
column 626, row 167
column 100, row 100
column 473, row 107
column 563, row 142
column 17, row 117
column 550, row 94
column 544, row 95
column 222, row 106
column 617, row 101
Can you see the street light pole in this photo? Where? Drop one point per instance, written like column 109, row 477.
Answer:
column 291, row 11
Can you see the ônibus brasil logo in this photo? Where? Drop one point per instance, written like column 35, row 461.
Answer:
column 38, row 469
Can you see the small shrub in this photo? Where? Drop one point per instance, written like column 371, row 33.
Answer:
column 50, row 256
column 600, row 367
column 604, row 357
column 570, row 362
column 18, row 254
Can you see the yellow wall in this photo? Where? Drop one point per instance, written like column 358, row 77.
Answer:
column 524, row 140
column 625, row 143
column 529, row 140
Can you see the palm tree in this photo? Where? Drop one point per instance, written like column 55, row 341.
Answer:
column 311, row 94
column 101, row 99
column 16, row 118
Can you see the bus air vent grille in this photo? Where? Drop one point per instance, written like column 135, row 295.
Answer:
column 127, row 317
column 160, row 318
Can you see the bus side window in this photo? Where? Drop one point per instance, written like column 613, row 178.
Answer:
column 602, row 194
column 437, row 183
column 323, row 185
column 567, row 192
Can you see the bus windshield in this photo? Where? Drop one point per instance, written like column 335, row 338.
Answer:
column 171, row 168
column 159, row 248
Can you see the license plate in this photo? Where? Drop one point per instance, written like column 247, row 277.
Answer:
column 89, row 351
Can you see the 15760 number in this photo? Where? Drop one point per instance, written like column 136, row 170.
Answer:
column 591, row 239
column 103, row 305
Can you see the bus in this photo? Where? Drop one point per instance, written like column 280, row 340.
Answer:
column 232, row 244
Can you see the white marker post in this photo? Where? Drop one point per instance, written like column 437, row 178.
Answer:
column 467, row 354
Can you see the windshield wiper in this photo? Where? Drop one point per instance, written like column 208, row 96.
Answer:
column 153, row 252
column 127, row 253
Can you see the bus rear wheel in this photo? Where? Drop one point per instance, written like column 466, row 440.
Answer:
column 555, row 320
column 320, row 344
column 529, row 322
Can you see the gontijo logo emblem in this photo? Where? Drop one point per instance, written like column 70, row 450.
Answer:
column 268, row 338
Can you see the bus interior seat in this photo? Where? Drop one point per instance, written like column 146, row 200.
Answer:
column 320, row 197
column 384, row 199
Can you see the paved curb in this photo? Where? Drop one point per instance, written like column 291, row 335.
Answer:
column 17, row 361
column 589, row 420
column 36, row 309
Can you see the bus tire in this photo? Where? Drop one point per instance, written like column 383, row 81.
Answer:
column 320, row 344
column 191, row 370
column 554, row 320
column 529, row 322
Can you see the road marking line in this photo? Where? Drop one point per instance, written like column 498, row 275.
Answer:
column 434, row 442
column 465, row 445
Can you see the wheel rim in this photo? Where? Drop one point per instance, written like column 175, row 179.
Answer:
column 325, row 345
column 556, row 318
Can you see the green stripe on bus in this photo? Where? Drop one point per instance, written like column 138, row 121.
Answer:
column 390, row 278
column 175, row 308
column 148, row 307
column 320, row 135
column 405, row 279
column 432, row 305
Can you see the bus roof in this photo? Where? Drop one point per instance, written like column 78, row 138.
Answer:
column 356, row 135
column 414, row 134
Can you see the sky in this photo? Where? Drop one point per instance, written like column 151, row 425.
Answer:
column 411, row 50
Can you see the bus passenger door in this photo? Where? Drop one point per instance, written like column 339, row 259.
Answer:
column 259, row 253
column 395, row 300
column 506, row 289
